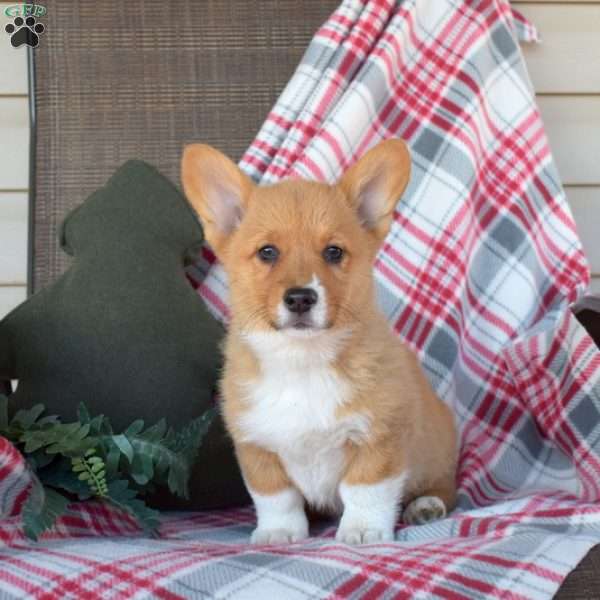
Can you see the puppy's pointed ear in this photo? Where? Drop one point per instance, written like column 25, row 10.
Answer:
column 217, row 190
column 375, row 183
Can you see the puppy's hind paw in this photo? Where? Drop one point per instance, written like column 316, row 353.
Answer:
column 424, row 510
column 277, row 536
column 356, row 535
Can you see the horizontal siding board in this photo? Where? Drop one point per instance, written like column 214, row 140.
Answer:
column 14, row 143
column 13, row 238
column 568, row 58
column 573, row 126
column 10, row 297
column 585, row 204
column 13, row 61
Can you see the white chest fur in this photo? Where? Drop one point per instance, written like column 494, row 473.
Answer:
column 291, row 410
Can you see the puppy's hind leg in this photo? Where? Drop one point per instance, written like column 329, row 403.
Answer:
column 431, row 505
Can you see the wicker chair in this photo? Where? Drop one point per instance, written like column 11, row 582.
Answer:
column 115, row 80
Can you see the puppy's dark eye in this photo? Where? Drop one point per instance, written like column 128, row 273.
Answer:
column 268, row 254
column 333, row 254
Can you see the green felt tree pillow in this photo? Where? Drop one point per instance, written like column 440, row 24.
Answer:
column 122, row 330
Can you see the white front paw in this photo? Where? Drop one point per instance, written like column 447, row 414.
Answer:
column 277, row 536
column 281, row 517
column 361, row 535
column 370, row 511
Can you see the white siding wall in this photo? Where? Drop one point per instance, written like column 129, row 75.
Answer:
column 14, row 169
column 565, row 69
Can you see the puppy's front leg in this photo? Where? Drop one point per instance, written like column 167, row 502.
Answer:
column 371, row 491
column 279, row 505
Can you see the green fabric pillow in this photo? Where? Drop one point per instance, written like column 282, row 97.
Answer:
column 122, row 330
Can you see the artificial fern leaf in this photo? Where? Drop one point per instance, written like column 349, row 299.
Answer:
column 27, row 417
column 87, row 459
column 185, row 445
column 69, row 439
column 168, row 458
column 75, row 441
column 38, row 460
column 98, row 426
column 155, row 454
column 112, row 459
column 142, row 468
column 188, row 440
column 124, row 445
column 47, row 422
column 135, row 427
column 178, row 479
column 61, row 476
column 83, row 414
column 120, row 494
column 156, row 432
column 41, row 509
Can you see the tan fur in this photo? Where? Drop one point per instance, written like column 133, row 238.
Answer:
column 410, row 428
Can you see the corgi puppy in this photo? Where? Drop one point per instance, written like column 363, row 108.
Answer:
column 324, row 404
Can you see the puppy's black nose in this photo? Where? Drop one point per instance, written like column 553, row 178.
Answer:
column 300, row 300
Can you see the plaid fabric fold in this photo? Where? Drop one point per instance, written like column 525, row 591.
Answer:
column 476, row 275
column 15, row 480
column 514, row 549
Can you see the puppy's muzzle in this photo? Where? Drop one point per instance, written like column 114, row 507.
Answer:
column 300, row 300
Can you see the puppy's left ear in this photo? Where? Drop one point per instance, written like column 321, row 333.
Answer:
column 375, row 183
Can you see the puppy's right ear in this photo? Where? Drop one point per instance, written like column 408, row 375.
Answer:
column 217, row 190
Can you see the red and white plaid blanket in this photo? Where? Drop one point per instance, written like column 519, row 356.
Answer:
column 477, row 275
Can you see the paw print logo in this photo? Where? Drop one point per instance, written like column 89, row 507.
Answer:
column 24, row 31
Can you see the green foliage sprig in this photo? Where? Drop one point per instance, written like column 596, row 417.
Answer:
column 87, row 459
